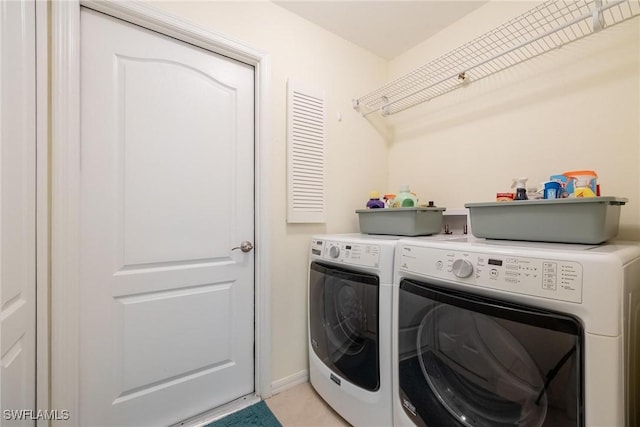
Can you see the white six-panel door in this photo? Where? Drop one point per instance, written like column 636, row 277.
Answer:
column 17, row 213
column 166, row 193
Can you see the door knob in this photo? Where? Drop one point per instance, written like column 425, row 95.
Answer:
column 245, row 246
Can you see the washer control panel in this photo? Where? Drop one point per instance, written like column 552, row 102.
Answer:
column 365, row 255
column 547, row 278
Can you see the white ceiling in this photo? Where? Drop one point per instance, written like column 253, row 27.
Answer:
column 386, row 28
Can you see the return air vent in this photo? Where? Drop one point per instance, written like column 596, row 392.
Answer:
column 307, row 155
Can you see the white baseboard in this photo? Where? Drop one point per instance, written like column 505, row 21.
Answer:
column 286, row 383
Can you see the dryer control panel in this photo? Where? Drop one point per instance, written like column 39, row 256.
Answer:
column 547, row 278
column 365, row 255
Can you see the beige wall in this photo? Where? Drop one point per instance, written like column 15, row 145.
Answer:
column 573, row 108
column 357, row 153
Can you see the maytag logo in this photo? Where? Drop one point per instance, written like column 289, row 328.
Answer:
column 335, row 379
column 409, row 406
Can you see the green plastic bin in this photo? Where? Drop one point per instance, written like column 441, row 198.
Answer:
column 589, row 220
column 401, row 221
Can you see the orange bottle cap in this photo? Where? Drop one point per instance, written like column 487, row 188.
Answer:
column 584, row 172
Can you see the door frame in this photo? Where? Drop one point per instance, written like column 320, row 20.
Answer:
column 64, row 179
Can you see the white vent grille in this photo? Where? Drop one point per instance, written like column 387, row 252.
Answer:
column 306, row 158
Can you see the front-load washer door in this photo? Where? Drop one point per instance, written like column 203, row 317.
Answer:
column 474, row 361
column 343, row 323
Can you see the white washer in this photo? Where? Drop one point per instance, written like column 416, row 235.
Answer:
column 516, row 333
column 350, row 288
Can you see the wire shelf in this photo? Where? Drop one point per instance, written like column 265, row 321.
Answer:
column 548, row 26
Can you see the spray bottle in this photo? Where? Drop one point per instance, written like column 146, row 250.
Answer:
column 521, row 188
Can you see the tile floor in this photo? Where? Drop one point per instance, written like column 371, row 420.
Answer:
column 301, row 406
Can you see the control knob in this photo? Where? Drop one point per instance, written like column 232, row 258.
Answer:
column 334, row 252
column 462, row 268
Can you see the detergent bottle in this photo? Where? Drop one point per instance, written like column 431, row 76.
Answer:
column 374, row 201
column 587, row 177
column 582, row 189
column 405, row 198
column 520, row 185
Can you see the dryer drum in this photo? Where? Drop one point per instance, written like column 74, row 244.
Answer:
column 478, row 370
column 345, row 316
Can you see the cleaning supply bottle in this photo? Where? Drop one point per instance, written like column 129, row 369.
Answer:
column 583, row 189
column 405, row 198
column 388, row 199
column 521, row 188
column 374, row 201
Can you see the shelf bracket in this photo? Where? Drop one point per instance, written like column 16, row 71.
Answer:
column 598, row 22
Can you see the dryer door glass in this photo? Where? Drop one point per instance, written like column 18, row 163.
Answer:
column 343, row 323
column 484, row 362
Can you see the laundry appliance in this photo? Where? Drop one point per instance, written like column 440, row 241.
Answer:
column 350, row 289
column 496, row 333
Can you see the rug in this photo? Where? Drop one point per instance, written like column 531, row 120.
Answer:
column 256, row 415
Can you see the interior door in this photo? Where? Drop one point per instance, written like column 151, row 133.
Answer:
column 17, row 213
column 166, row 304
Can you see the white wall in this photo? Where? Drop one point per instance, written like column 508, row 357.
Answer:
column 573, row 108
column 357, row 153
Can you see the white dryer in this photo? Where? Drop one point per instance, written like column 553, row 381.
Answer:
column 350, row 288
column 494, row 333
